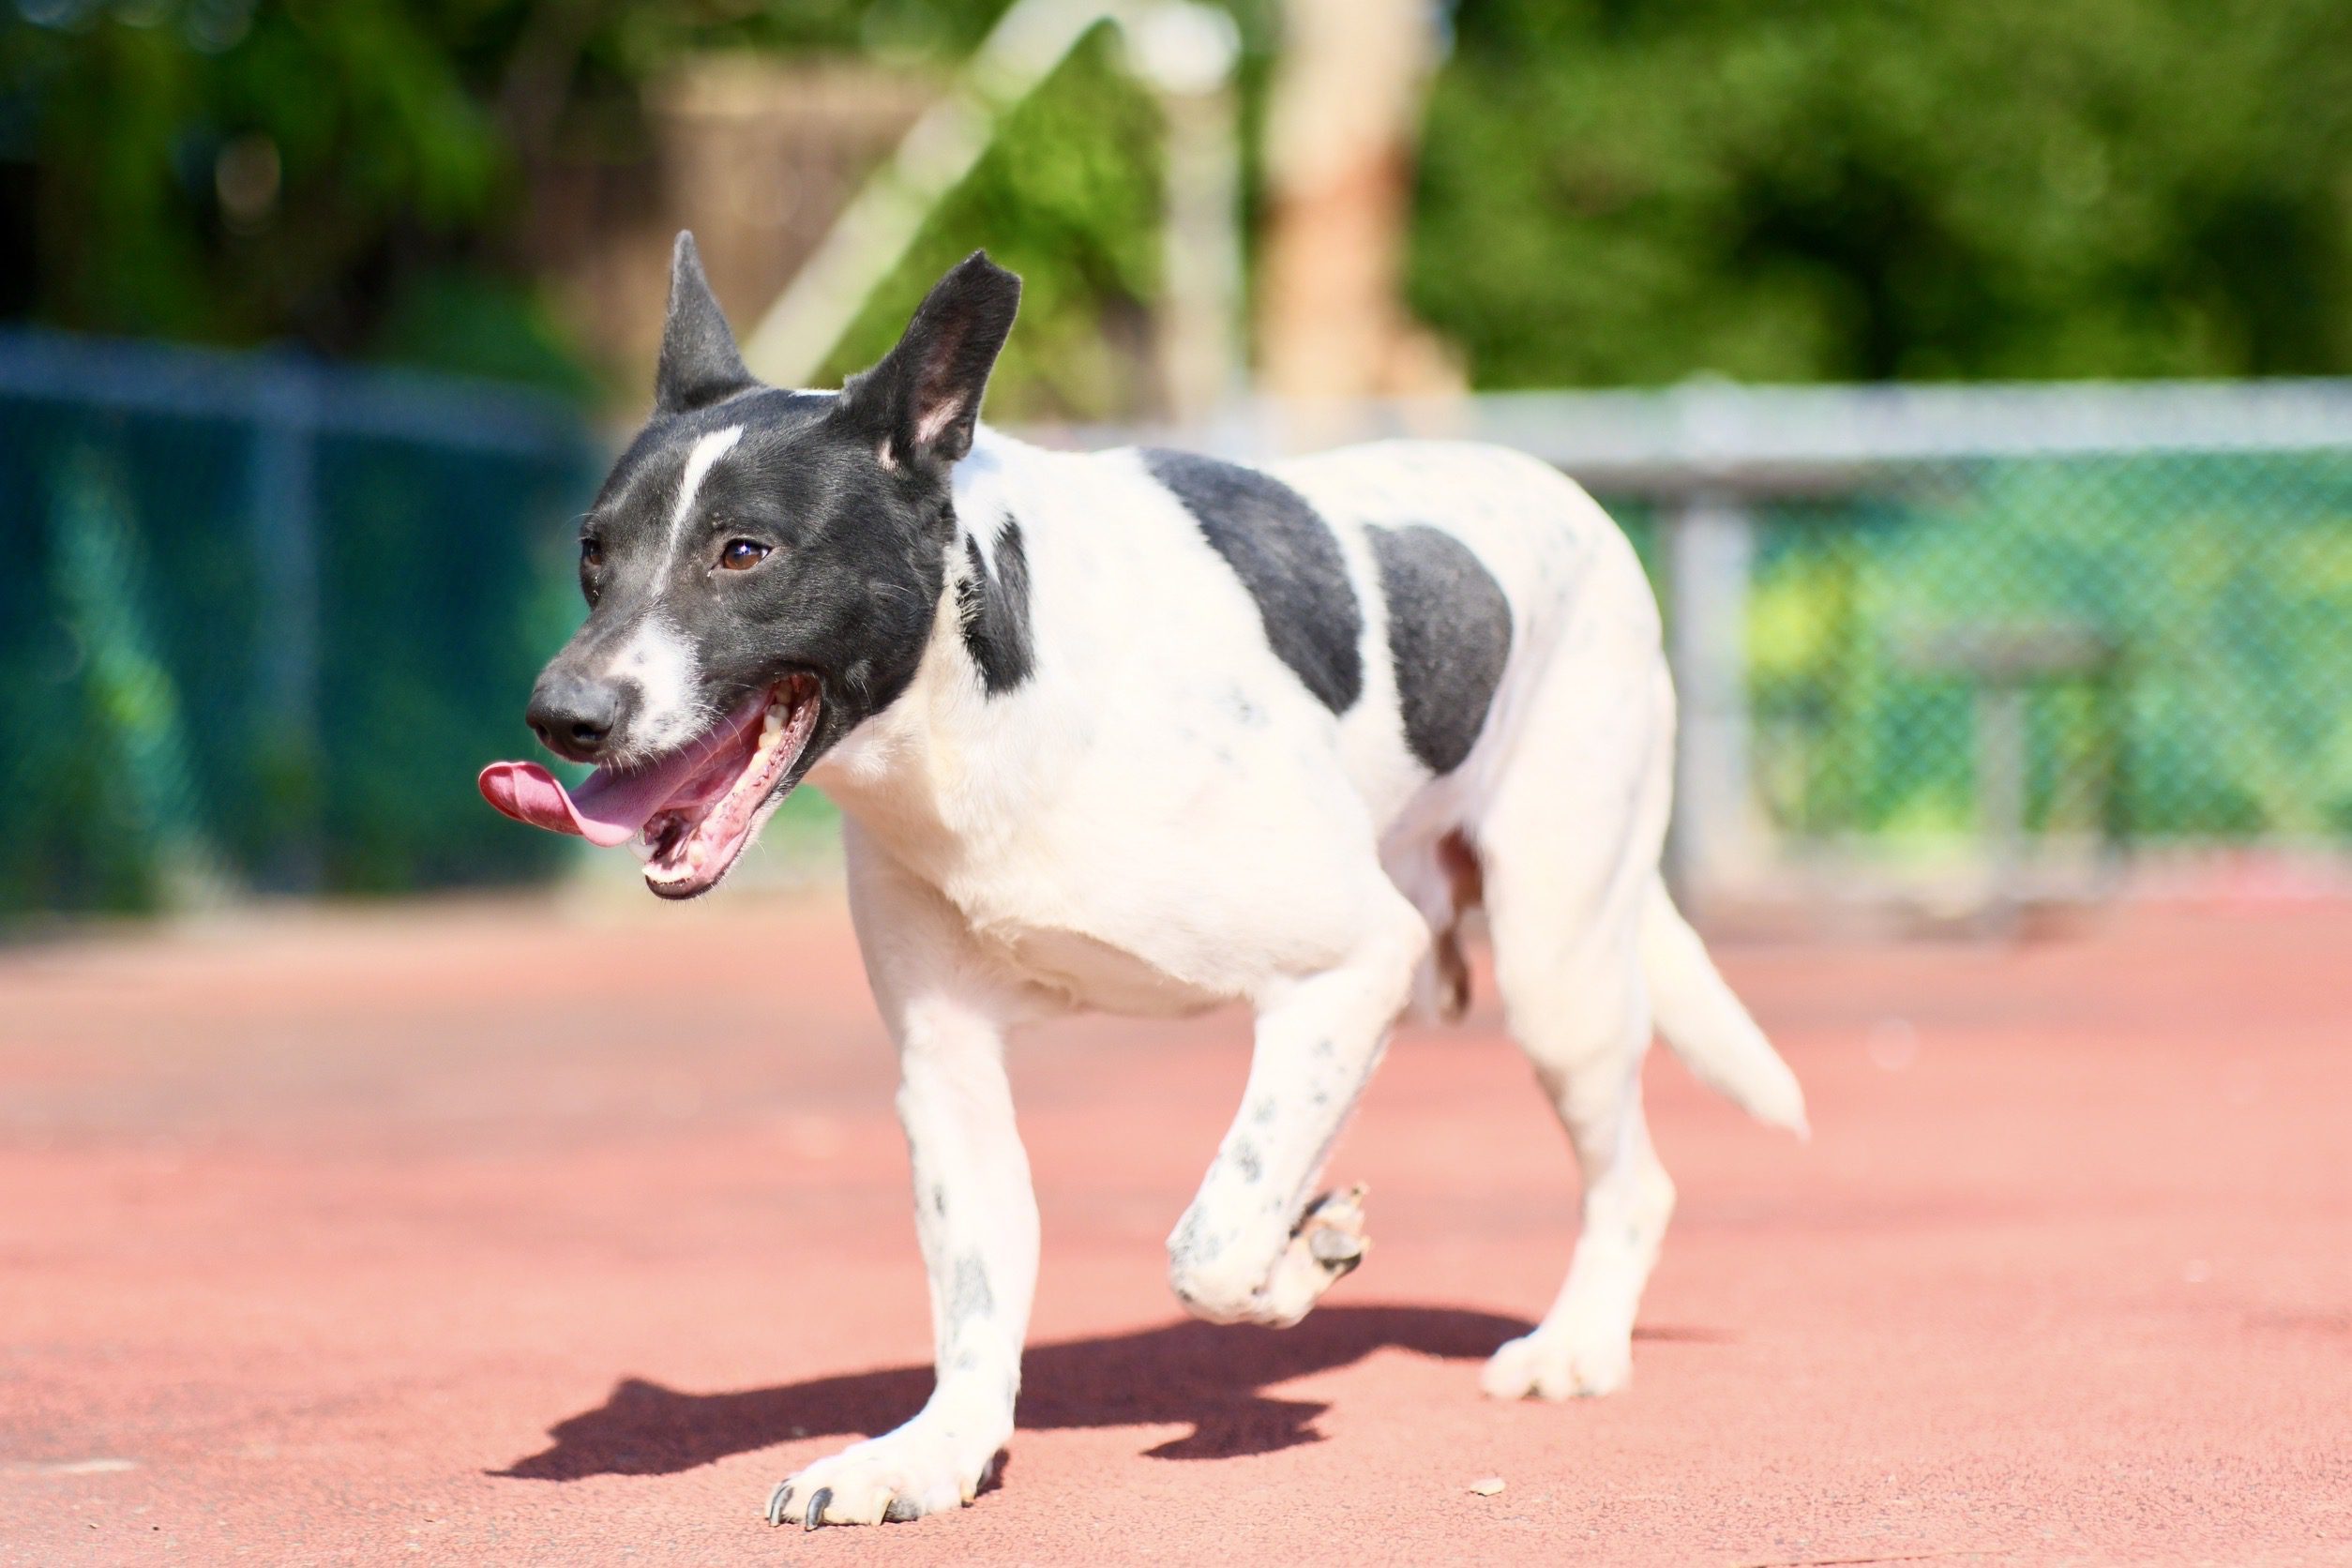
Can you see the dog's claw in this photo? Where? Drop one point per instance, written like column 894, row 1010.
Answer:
column 1340, row 1254
column 922, row 1468
column 1334, row 1230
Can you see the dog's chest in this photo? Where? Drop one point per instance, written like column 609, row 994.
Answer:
column 1069, row 894
column 1084, row 914
column 1088, row 972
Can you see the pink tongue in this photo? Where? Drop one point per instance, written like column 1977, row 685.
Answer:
column 608, row 808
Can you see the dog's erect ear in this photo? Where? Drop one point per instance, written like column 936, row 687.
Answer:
column 924, row 398
column 699, row 362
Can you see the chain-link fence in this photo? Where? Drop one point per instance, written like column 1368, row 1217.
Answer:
column 2138, row 650
column 261, row 621
column 2007, row 640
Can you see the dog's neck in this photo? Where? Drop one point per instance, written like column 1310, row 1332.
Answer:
column 951, row 759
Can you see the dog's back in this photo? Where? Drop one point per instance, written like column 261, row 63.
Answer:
column 1240, row 666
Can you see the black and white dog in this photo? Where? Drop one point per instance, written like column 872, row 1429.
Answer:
column 1142, row 731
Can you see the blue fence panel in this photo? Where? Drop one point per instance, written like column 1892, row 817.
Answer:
column 262, row 619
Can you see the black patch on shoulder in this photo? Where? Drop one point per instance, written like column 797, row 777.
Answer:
column 994, row 608
column 1286, row 558
column 1449, row 633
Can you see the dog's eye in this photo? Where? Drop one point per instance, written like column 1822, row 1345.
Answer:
column 741, row 555
column 592, row 553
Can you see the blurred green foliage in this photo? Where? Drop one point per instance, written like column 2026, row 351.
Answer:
column 1614, row 191
column 203, row 169
column 1609, row 191
column 1081, row 227
column 351, row 174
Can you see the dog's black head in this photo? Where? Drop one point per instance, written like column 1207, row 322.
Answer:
column 763, row 569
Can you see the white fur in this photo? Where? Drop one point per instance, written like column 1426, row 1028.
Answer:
column 662, row 666
column 701, row 459
column 654, row 658
column 1164, row 819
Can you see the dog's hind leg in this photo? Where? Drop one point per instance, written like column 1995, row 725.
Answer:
column 1569, row 846
column 1250, row 1247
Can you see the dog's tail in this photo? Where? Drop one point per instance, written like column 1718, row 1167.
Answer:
column 1706, row 1024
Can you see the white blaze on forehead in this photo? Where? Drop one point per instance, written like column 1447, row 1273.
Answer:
column 655, row 659
column 660, row 664
column 699, row 461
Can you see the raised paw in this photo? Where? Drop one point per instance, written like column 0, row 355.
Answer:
column 918, row 1469
column 1327, row 1246
column 1550, row 1363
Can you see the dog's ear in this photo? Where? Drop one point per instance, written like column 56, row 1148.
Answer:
column 923, row 400
column 699, row 363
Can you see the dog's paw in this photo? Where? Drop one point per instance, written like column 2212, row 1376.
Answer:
column 1230, row 1284
column 1328, row 1247
column 1560, row 1364
column 919, row 1469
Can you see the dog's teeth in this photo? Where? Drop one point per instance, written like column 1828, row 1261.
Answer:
column 773, row 724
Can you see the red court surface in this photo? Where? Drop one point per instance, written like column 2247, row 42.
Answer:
column 503, row 1234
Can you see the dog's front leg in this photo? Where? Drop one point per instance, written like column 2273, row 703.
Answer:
column 978, row 1221
column 1249, row 1248
column 974, row 1213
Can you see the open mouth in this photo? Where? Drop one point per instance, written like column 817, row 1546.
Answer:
column 695, row 810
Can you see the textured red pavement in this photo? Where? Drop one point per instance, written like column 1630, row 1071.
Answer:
column 502, row 1234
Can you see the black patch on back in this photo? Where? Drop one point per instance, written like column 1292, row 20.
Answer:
column 1449, row 633
column 994, row 608
column 1286, row 558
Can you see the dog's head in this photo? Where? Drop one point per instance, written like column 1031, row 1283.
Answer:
column 762, row 570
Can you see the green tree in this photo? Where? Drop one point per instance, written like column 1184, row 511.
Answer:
column 352, row 174
column 1613, row 191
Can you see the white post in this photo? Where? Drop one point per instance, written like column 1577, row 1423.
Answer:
column 1710, row 542
column 284, row 519
column 1187, row 52
column 1343, row 114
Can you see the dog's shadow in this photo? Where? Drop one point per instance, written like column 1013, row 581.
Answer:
column 1182, row 1373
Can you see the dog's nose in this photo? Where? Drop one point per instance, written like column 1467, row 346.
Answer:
column 576, row 716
